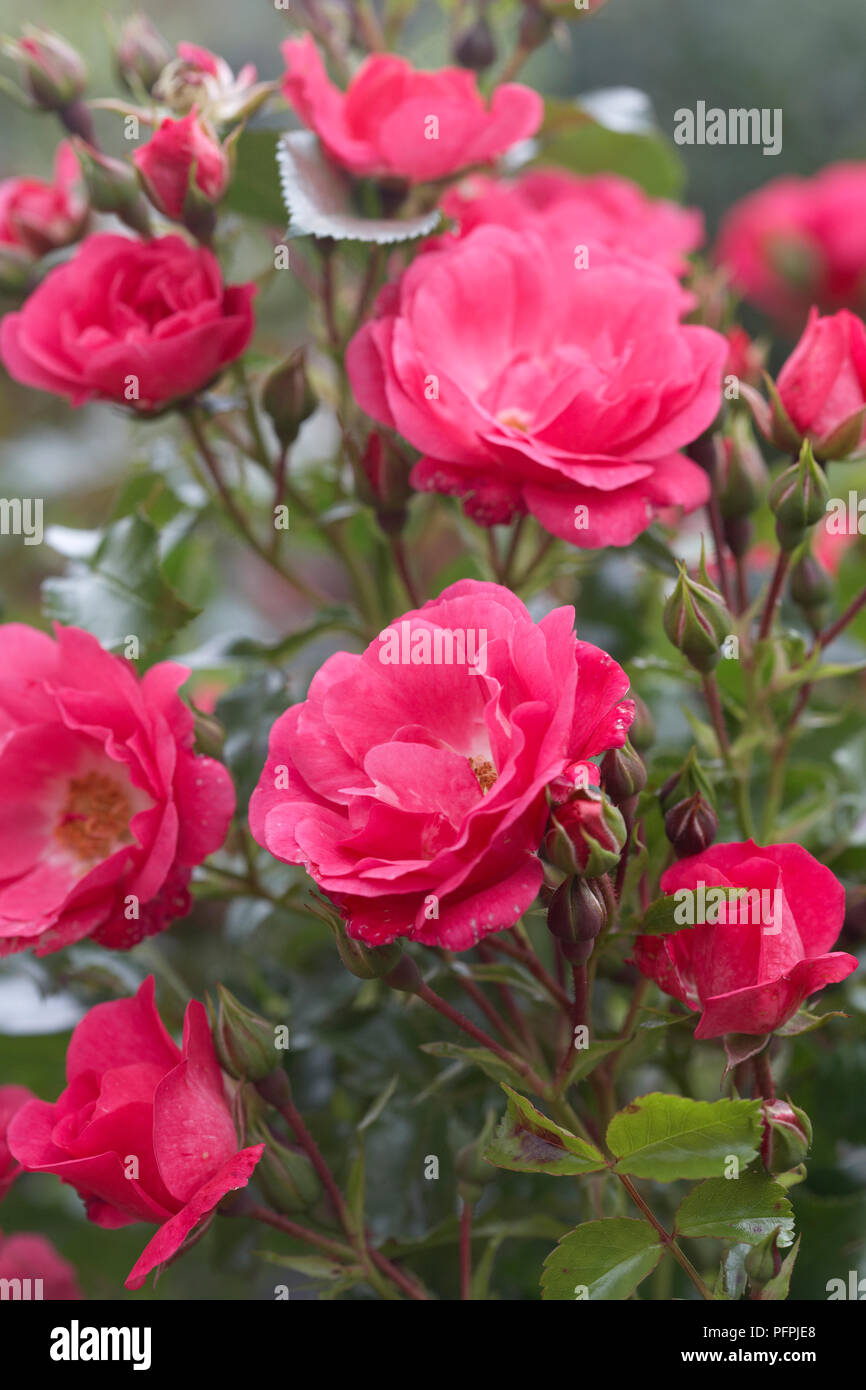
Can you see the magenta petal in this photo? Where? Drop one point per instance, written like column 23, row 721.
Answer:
column 169, row 1238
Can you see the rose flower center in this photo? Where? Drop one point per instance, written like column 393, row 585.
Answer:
column 485, row 773
column 95, row 818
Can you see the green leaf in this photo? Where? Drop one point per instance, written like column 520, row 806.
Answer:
column 743, row 1210
column 122, row 591
column 601, row 1260
column 320, row 203
column 255, row 188
column 670, row 1137
column 658, row 920
column 804, row 1021
column 334, row 618
column 586, row 1059
column 481, row 1057
column 571, row 138
column 528, row 1142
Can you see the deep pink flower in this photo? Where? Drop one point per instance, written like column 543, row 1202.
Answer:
column 37, row 217
column 575, row 209
column 533, row 385
column 105, row 806
column 141, row 323
column 180, row 154
column 396, row 122
column 823, row 383
column 143, row 1131
column 413, row 789
column 11, row 1100
column 798, row 242
column 28, row 1256
column 751, row 971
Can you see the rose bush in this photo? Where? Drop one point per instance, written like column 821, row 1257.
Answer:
column 751, row 976
column 142, row 324
column 531, row 385
column 144, row 1130
column 401, row 777
column 106, row 808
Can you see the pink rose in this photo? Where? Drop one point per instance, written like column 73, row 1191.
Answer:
column 412, row 787
column 532, row 385
column 395, row 122
column 38, row 217
column 199, row 78
column 141, row 323
column 179, row 156
column 105, row 806
column 143, row 1131
column 11, row 1100
column 597, row 208
column 750, row 971
column 823, row 384
column 798, row 242
column 28, row 1256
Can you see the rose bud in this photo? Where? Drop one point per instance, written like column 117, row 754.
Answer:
column 690, row 778
column 822, row 386
column 475, row 47
column 691, row 825
column 382, row 480
column 53, row 73
column 746, row 357
column 112, row 187
column 575, row 916
column 586, row 834
column 287, row 1177
column 762, row 1261
column 696, row 619
column 140, row 54
column 364, row 962
column 799, row 499
column 741, row 474
column 287, row 397
column 811, row 588
column 36, row 216
column 623, row 773
column 244, row 1042
column 787, row 1136
column 184, row 170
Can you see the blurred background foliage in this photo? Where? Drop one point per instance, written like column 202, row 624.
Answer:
column 183, row 567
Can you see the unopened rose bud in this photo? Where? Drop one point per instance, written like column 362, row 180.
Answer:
column 287, row 1177
column 382, row 481
column 586, row 835
column 762, row 1260
column 576, row 915
column 140, row 54
column 811, row 589
column 475, row 47
column 642, row 733
column 691, row 826
column 112, row 187
column 53, row 74
column 288, row 398
column 696, row 620
column 741, row 475
column 185, row 171
column 244, row 1042
column 799, row 499
column 535, row 25
column 738, row 533
column 787, row 1136
column 623, row 774
column 687, row 780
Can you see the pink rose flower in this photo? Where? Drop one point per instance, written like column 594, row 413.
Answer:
column 395, row 122
column 28, row 1256
column 532, row 385
column 37, row 217
column 199, row 78
column 753, row 969
column 823, row 383
column 105, row 806
column 412, row 787
column 597, row 208
column 133, row 1094
column 180, row 155
column 798, row 242
column 11, row 1100
column 140, row 323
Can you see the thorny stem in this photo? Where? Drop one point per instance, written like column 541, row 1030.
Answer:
column 667, row 1240
column 764, row 1083
column 530, row 961
column 435, row 1001
column 398, row 551
column 741, row 790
